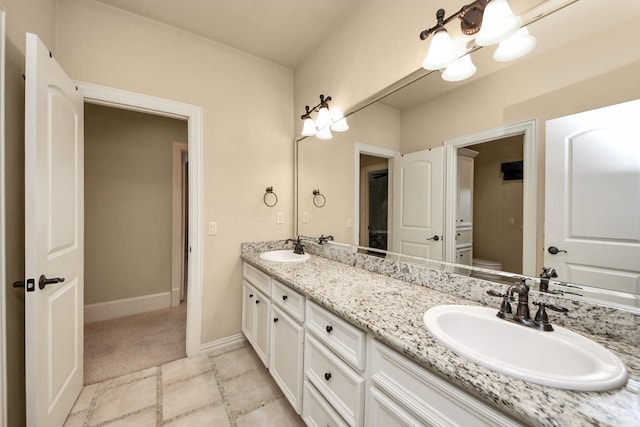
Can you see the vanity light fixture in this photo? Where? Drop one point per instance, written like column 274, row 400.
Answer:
column 492, row 22
column 326, row 120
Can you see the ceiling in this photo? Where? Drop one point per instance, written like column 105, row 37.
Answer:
column 281, row 31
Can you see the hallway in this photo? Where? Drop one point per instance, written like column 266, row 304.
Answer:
column 116, row 347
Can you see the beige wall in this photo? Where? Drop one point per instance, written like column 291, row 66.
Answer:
column 248, row 122
column 376, row 45
column 36, row 16
column 128, row 202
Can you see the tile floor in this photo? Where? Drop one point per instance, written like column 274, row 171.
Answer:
column 223, row 388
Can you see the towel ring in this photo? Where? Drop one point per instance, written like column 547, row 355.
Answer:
column 270, row 198
column 318, row 199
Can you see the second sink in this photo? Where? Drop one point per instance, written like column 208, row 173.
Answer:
column 559, row 358
column 284, row 255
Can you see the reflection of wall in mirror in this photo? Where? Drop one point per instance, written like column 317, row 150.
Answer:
column 591, row 72
column 329, row 167
column 560, row 82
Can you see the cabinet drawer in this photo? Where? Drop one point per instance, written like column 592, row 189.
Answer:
column 335, row 380
column 316, row 412
column 427, row 396
column 464, row 237
column 257, row 278
column 289, row 300
column 339, row 335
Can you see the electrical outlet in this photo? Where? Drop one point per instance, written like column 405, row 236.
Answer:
column 349, row 223
column 280, row 218
column 213, row 228
column 305, row 217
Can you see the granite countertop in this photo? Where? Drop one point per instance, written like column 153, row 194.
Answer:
column 391, row 310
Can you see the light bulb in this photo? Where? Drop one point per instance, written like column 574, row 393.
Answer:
column 324, row 118
column 498, row 23
column 324, row 133
column 441, row 52
column 462, row 69
column 516, row 46
column 339, row 122
column 309, row 128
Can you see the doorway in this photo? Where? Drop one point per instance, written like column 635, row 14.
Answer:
column 194, row 116
column 374, row 201
column 497, row 193
column 373, row 167
column 135, row 316
column 527, row 131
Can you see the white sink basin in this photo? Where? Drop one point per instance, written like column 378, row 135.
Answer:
column 283, row 255
column 559, row 358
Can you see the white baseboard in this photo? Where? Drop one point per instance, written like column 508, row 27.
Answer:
column 126, row 307
column 222, row 343
column 175, row 297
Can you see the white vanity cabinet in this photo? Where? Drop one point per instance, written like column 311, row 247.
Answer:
column 287, row 342
column 335, row 360
column 403, row 393
column 256, row 310
column 336, row 375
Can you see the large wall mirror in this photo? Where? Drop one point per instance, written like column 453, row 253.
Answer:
column 455, row 172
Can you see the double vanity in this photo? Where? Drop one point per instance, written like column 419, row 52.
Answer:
column 353, row 339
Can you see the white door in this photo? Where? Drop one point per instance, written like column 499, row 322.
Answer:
column 592, row 206
column 418, row 204
column 53, row 238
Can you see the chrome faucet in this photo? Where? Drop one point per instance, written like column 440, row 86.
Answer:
column 522, row 315
column 298, row 247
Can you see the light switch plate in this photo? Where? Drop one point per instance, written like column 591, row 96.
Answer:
column 280, row 218
column 213, row 228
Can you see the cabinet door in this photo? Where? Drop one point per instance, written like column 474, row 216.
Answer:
column 465, row 191
column 464, row 256
column 382, row 411
column 248, row 311
column 262, row 307
column 285, row 359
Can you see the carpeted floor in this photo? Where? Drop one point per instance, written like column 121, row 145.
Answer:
column 120, row 346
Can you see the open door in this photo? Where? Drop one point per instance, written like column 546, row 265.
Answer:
column 592, row 205
column 418, row 204
column 54, row 230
